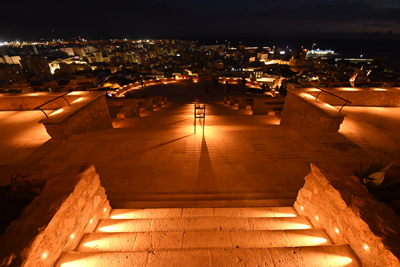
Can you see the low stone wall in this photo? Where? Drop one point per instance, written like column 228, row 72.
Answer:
column 333, row 198
column 243, row 103
column 361, row 97
column 32, row 100
column 69, row 206
column 261, row 107
column 129, row 111
column 87, row 115
column 299, row 110
column 147, row 105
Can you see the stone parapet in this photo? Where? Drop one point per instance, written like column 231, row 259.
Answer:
column 243, row 103
column 69, row 206
column 87, row 114
column 373, row 97
column 32, row 100
column 333, row 198
column 303, row 110
column 129, row 111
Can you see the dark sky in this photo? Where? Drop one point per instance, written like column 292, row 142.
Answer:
column 193, row 18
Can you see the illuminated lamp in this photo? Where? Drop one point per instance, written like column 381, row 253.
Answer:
column 317, row 218
column 337, row 230
column 72, row 236
column 44, row 255
column 366, row 247
column 302, row 208
column 105, row 209
column 91, row 221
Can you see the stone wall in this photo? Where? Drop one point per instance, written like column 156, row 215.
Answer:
column 333, row 198
column 31, row 101
column 362, row 97
column 69, row 206
column 90, row 114
column 302, row 111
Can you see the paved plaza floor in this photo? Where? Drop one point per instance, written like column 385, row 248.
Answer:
column 158, row 158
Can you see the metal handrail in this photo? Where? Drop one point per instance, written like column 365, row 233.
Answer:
column 322, row 90
column 61, row 96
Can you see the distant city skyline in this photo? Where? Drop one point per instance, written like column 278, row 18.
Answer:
column 195, row 19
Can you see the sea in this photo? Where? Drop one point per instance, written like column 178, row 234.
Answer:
column 345, row 47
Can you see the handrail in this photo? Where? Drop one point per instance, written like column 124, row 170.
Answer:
column 330, row 83
column 322, row 90
column 39, row 107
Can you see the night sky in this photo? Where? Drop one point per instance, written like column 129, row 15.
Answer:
column 37, row 19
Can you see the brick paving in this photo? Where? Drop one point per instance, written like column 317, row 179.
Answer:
column 238, row 157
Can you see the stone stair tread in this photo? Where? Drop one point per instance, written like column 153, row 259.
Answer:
column 202, row 224
column 165, row 241
column 271, row 202
column 276, row 192
column 203, row 212
column 315, row 256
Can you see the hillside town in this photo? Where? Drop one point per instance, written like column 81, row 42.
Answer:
column 60, row 66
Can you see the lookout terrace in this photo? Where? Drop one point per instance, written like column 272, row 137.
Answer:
column 187, row 171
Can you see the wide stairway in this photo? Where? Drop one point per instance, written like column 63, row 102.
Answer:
column 270, row 236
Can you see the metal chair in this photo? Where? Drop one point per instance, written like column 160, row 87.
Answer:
column 199, row 113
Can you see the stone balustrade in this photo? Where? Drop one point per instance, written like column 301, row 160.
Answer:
column 333, row 198
column 69, row 206
column 303, row 110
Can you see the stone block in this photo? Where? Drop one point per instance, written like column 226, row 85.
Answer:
column 52, row 223
column 350, row 214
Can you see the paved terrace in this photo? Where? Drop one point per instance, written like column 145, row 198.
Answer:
column 157, row 160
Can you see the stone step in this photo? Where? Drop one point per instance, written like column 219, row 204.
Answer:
column 203, row 212
column 202, row 224
column 271, row 202
column 274, row 192
column 315, row 256
column 166, row 241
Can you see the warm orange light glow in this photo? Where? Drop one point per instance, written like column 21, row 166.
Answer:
column 317, row 218
column 72, row 236
column 57, row 112
column 77, row 100
column 91, row 221
column 75, row 93
column 329, row 106
column 302, row 208
column 366, row 247
column 44, row 255
column 380, row 89
column 337, row 230
column 105, row 209
column 350, row 89
column 307, row 95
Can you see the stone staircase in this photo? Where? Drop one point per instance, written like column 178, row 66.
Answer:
column 268, row 236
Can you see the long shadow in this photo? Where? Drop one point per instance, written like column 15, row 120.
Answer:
column 178, row 122
column 165, row 143
column 205, row 177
